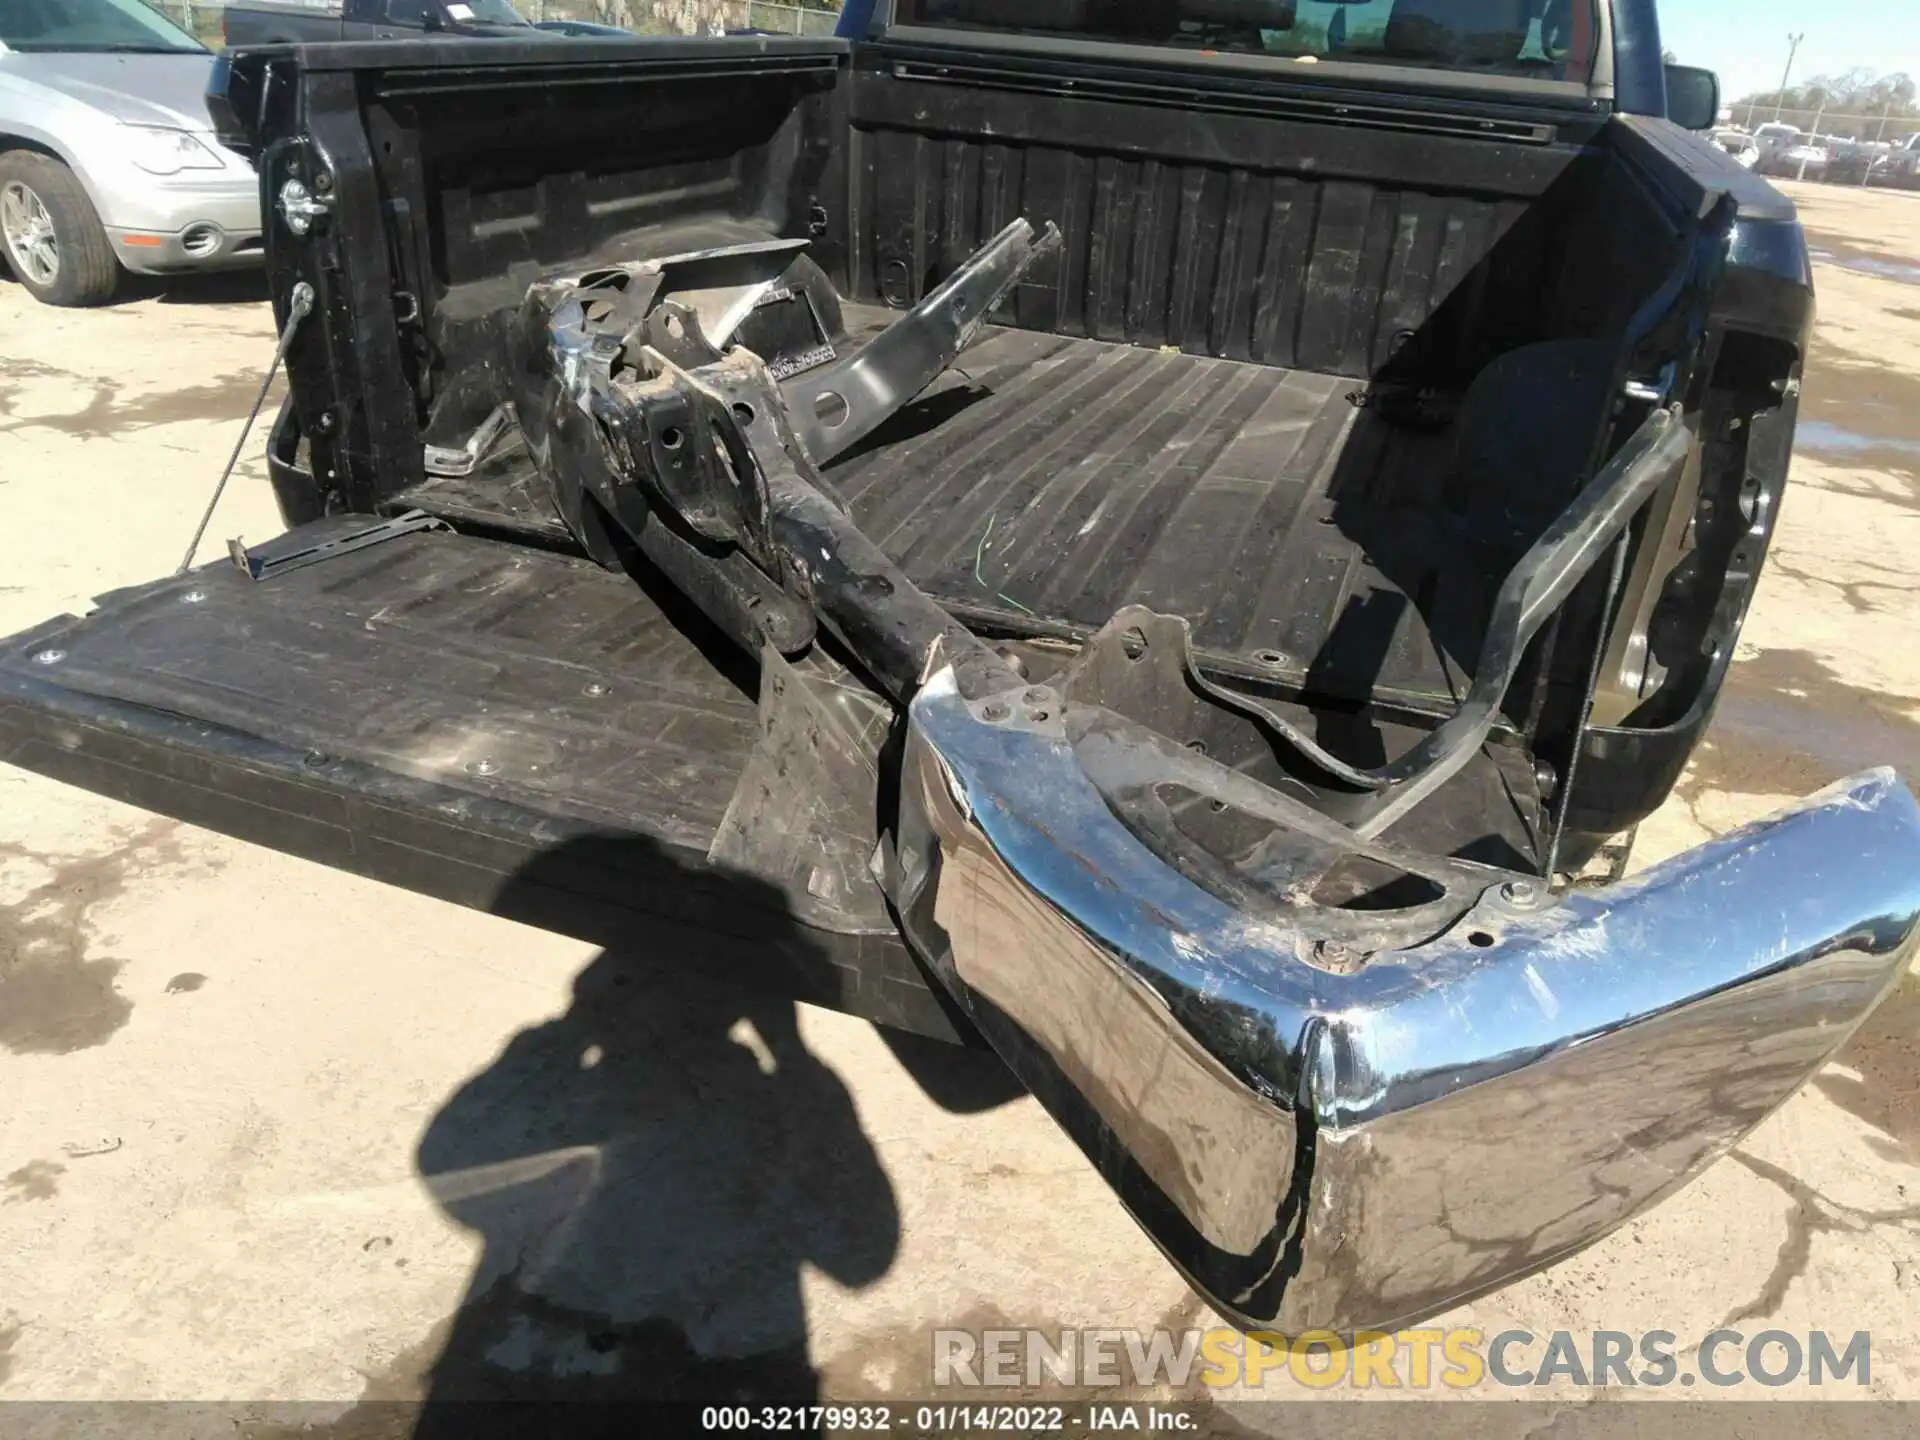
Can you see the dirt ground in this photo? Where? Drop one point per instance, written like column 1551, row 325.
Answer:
column 272, row 1131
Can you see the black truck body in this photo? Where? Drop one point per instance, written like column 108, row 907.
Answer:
column 1216, row 689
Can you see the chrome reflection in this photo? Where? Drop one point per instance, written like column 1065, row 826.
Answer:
column 1363, row 1149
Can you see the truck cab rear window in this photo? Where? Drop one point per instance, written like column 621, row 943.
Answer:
column 1535, row 39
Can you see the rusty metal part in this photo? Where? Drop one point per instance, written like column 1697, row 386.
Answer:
column 641, row 424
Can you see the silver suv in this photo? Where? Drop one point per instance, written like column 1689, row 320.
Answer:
column 107, row 156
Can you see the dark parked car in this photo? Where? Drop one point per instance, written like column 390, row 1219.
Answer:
column 1222, row 693
column 1805, row 158
column 264, row 22
column 584, row 30
column 1903, row 165
column 1853, row 162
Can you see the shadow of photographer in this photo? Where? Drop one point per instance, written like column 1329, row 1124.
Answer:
column 649, row 1173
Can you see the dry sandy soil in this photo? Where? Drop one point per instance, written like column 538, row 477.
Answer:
column 271, row 1131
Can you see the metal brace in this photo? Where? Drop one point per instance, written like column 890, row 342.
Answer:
column 299, row 306
column 446, row 461
column 261, row 567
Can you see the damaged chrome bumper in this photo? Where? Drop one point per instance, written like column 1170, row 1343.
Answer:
column 1356, row 1146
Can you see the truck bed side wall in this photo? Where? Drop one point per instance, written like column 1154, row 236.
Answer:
column 1211, row 228
column 1230, row 227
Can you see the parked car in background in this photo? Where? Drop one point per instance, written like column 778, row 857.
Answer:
column 1903, row 165
column 267, row 23
column 1805, row 158
column 1857, row 162
column 108, row 160
column 1776, row 135
column 1739, row 144
column 583, row 30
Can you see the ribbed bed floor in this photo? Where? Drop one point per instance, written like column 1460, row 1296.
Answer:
column 1064, row 478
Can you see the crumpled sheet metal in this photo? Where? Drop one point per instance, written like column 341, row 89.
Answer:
column 1363, row 1149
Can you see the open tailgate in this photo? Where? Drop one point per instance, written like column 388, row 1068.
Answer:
column 507, row 728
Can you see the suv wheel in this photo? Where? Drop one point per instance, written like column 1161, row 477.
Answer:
column 53, row 240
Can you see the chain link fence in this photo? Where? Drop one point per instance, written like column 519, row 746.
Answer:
column 690, row 17
column 204, row 18
column 1873, row 125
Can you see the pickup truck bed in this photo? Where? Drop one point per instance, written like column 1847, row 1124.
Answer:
column 1107, row 470
column 463, row 665
column 1103, row 469
column 1286, row 518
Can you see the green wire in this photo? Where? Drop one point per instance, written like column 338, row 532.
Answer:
column 979, row 554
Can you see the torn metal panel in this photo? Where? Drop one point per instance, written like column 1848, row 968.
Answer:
column 806, row 811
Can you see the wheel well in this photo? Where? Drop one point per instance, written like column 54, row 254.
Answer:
column 20, row 142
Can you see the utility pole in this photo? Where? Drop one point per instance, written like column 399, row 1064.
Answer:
column 1793, row 49
column 1879, row 134
column 1814, row 138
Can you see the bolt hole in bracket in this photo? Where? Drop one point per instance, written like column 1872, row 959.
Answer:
column 839, row 404
column 1335, row 897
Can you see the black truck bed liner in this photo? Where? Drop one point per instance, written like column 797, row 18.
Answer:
column 429, row 712
column 516, row 729
column 1045, row 482
column 1060, row 479
column 419, row 712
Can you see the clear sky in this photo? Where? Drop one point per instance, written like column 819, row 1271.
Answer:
column 1746, row 40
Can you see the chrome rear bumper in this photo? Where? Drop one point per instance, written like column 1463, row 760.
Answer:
column 1360, row 1147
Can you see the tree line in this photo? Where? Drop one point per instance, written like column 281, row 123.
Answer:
column 1859, row 104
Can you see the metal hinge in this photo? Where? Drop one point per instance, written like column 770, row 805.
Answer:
column 300, row 207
